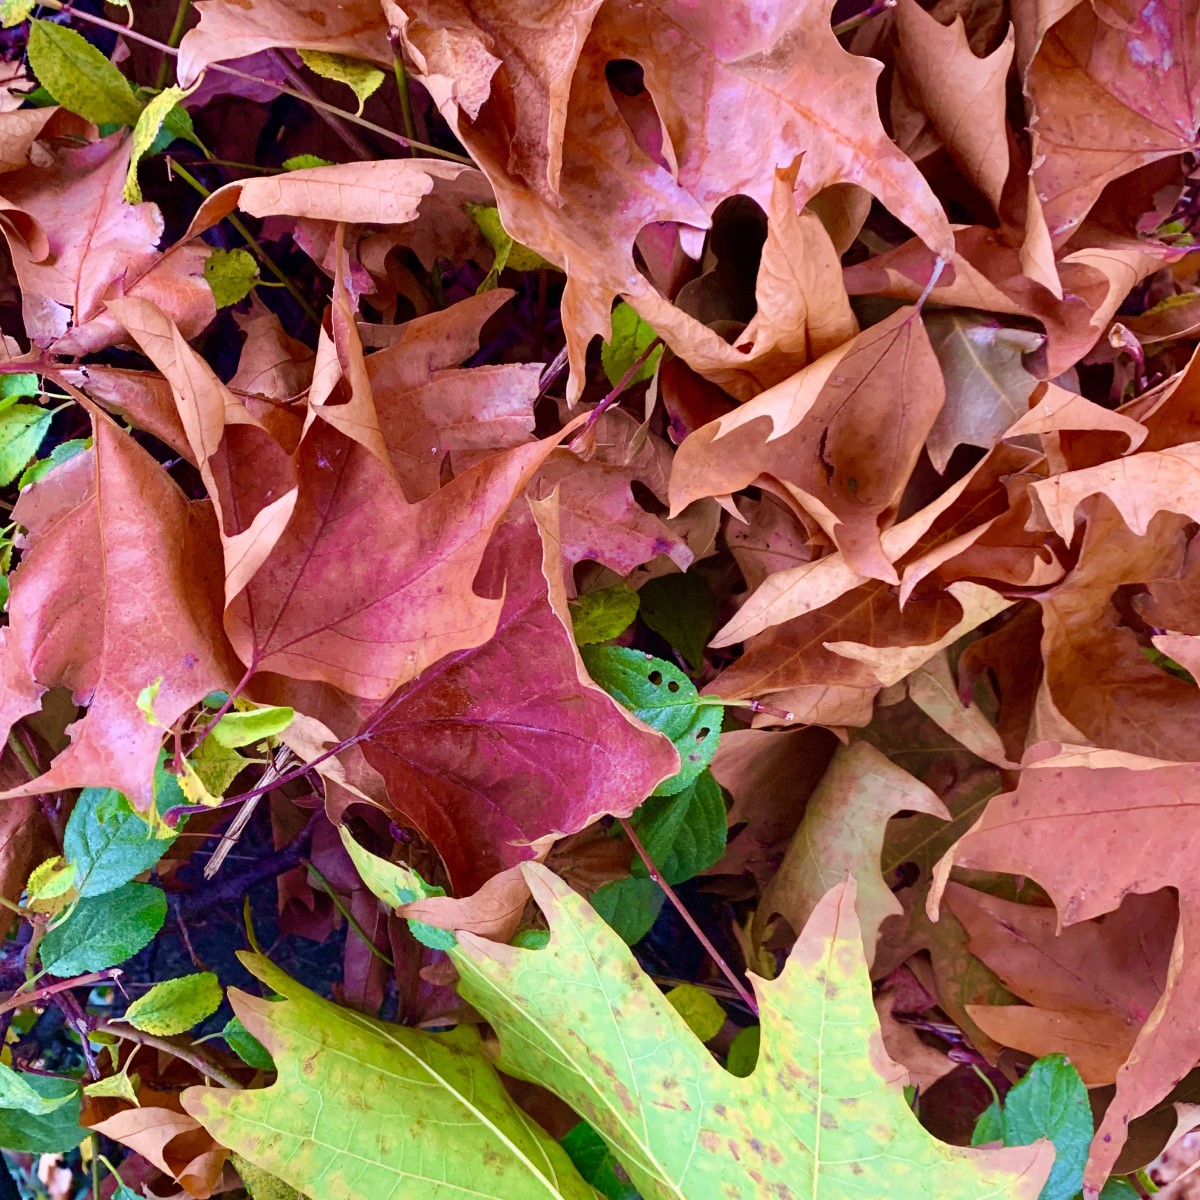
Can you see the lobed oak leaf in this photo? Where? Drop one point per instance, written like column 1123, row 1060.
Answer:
column 498, row 746
column 1130, row 821
column 229, row 30
column 846, row 430
column 1089, row 988
column 119, row 586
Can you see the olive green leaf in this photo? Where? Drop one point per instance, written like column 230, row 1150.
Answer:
column 79, row 77
column 630, row 337
column 364, row 1108
column 175, row 1005
column 362, row 78
column 145, row 134
column 599, row 616
column 231, row 275
column 822, row 1115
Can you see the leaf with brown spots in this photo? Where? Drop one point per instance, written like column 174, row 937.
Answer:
column 822, row 1115
column 363, row 1108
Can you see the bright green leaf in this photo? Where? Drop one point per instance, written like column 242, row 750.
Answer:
column 231, row 275
column 823, row 1113
column 531, row 939
column 362, row 78
column 18, row 1092
column 684, row 833
column 145, row 134
column 680, row 608
column 397, row 885
column 630, row 337
column 629, row 906
column 364, row 1108
column 49, row 1133
column 660, row 694
column 22, row 428
column 990, row 1126
column 603, row 615
column 508, row 253
column 305, row 162
column 594, row 1161
column 79, row 77
column 176, row 1005
column 244, row 728
column 246, row 1046
column 743, row 1051
column 63, row 452
column 108, row 842
column 22, row 384
column 701, row 1012
column 103, row 931
column 51, row 880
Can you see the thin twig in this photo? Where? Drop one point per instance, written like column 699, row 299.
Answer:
column 25, row 999
column 619, row 387
column 239, row 823
column 173, row 40
column 713, row 952
column 848, row 26
column 188, row 1054
column 354, row 143
column 401, row 75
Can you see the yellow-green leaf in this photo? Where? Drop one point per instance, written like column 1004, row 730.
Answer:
column 260, row 1184
column 231, row 274
column 361, row 1108
column 244, row 728
column 79, row 77
column 144, row 133
column 176, row 1004
column 362, row 78
column 51, row 879
column 822, row 1115
column 146, row 700
column 120, row 1086
column 704, row 1016
column 13, row 12
column 509, row 253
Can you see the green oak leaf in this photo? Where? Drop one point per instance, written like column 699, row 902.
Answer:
column 823, row 1114
column 361, row 1108
column 661, row 695
column 175, row 1005
column 102, row 931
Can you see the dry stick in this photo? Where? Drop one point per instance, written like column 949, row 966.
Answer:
column 188, row 1054
column 354, row 143
column 25, row 999
column 239, row 823
column 619, row 387
column 221, row 69
column 714, row 953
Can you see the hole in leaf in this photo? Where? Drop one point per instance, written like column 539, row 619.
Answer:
column 673, row 685
column 655, row 677
column 701, row 734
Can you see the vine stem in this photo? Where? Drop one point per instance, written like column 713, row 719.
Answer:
column 618, row 388
column 703, row 938
column 221, row 69
column 189, row 1055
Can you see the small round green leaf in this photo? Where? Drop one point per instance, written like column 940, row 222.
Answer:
column 176, row 1004
column 231, row 274
column 704, row 1016
column 603, row 615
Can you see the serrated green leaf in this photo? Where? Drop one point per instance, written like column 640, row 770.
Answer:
column 49, row 1133
column 13, row 12
column 629, row 906
column 397, row 885
column 79, row 77
column 699, row 1009
column 594, row 1161
column 823, row 1114
column 176, row 1005
column 50, row 880
column 661, row 695
column 108, row 842
column 630, row 337
column 236, row 729
column 22, row 384
column 681, row 609
column 362, row 78
column 103, row 931
column 231, row 275
column 303, row 162
column 683, row 833
column 364, row 1108
column 603, row 615
column 22, row 428
column 1051, row 1102
column 63, row 452
column 260, row 1184
column 145, row 134
column 17, row 1091
column 246, row 1046
column 743, row 1052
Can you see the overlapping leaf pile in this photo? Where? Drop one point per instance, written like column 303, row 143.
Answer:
column 718, row 447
